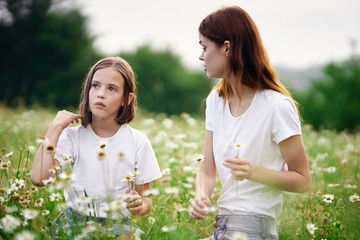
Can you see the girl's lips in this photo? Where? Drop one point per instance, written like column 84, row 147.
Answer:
column 99, row 105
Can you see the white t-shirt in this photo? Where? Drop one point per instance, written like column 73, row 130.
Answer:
column 270, row 119
column 99, row 177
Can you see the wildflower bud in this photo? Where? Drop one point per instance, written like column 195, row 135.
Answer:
column 50, row 149
column 102, row 156
column 121, row 156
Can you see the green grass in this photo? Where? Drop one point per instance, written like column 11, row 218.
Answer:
column 177, row 141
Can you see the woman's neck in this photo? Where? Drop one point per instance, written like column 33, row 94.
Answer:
column 105, row 129
column 239, row 104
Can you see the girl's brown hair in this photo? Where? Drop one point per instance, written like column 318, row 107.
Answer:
column 248, row 60
column 127, row 112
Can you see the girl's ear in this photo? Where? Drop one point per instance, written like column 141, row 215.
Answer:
column 131, row 97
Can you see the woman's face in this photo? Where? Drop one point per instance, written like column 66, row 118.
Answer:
column 214, row 57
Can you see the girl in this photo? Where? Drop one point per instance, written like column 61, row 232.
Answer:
column 253, row 134
column 108, row 155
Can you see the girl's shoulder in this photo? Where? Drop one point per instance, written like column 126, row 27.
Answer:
column 137, row 135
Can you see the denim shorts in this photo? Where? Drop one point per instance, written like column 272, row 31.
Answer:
column 248, row 226
column 71, row 223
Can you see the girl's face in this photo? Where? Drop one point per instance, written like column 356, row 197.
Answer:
column 214, row 57
column 106, row 94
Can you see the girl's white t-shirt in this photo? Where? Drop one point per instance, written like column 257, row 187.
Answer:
column 127, row 150
column 270, row 119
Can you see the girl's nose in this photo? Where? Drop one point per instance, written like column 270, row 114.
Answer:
column 102, row 93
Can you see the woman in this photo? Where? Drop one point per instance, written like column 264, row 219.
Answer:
column 253, row 134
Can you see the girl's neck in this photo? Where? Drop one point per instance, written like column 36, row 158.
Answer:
column 105, row 129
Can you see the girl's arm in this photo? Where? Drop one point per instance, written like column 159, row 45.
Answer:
column 205, row 181
column 138, row 204
column 296, row 179
column 43, row 161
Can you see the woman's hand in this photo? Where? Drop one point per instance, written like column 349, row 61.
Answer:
column 134, row 202
column 198, row 207
column 240, row 168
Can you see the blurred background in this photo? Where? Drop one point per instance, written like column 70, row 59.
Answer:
column 47, row 47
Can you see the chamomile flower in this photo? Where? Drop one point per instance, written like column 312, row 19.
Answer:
column 121, row 157
column 354, row 198
column 311, row 228
column 102, row 145
column 102, row 156
column 49, row 180
column 328, row 198
column 350, row 186
column 151, row 220
column 42, row 140
column 172, row 190
column 18, row 184
column 4, row 165
column 237, row 147
column 9, row 154
column 50, row 149
column 39, row 202
column 55, row 197
column 25, row 235
column 30, row 213
column 168, row 228
column 45, row 212
column 151, row 192
column 333, row 184
column 239, row 236
column 9, row 223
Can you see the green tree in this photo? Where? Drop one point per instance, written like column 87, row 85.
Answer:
column 333, row 101
column 46, row 51
column 164, row 84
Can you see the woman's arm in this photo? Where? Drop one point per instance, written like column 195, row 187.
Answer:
column 43, row 161
column 205, row 181
column 296, row 179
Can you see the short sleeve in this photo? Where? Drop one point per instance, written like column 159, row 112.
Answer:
column 146, row 163
column 209, row 112
column 64, row 148
column 286, row 122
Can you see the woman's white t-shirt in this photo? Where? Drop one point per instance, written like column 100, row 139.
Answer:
column 270, row 119
column 101, row 178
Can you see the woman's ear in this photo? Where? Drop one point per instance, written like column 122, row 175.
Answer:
column 226, row 47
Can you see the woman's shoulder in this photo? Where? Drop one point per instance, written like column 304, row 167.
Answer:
column 273, row 97
column 276, row 101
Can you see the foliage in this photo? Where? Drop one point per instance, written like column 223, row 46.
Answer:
column 164, row 84
column 177, row 141
column 46, row 47
column 333, row 101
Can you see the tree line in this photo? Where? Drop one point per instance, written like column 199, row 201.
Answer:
column 47, row 50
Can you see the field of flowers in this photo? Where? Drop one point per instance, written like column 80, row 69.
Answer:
column 330, row 210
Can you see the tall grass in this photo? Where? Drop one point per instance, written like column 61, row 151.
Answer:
column 332, row 205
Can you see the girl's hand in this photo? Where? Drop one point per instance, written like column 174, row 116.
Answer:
column 240, row 167
column 197, row 208
column 64, row 118
column 134, row 202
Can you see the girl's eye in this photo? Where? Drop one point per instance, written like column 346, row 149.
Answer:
column 95, row 85
column 112, row 89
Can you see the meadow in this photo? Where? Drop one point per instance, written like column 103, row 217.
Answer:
column 329, row 210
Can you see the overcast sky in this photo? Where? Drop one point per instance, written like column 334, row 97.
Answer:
column 296, row 34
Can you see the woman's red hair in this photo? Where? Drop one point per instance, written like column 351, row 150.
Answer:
column 248, row 60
